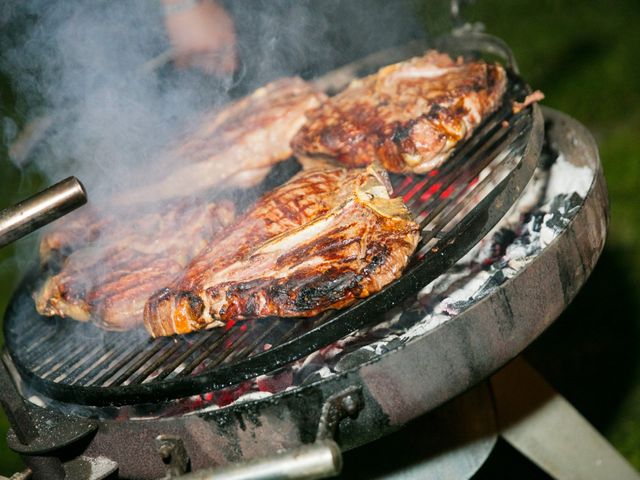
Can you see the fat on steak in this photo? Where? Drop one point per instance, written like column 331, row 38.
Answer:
column 408, row 116
column 236, row 146
column 320, row 241
column 108, row 271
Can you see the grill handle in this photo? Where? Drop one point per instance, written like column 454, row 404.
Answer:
column 16, row 222
column 321, row 459
column 40, row 209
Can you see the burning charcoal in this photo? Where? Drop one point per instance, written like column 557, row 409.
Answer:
column 313, row 377
column 410, row 317
column 228, row 395
column 494, row 282
column 391, row 344
column 275, row 382
column 536, row 223
column 354, row 359
column 501, row 240
column 573, row 203
column 557, row 221
column 302, row 376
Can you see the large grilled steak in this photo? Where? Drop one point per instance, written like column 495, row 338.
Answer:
column 108, row 270
column 235, row 146
column 322, row 240
column 409, row 116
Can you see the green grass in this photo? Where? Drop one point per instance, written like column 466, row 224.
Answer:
column 585, row 56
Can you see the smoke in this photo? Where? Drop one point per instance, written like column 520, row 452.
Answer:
column 82, row 67
column 88, row 70
column 306, row 37
column 85, row 67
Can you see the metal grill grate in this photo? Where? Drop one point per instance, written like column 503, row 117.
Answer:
column 79, row 363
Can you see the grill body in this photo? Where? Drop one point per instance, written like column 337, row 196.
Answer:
column 400, row 384
column 74, row 362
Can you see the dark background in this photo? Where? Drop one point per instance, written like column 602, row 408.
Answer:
column 584, row 55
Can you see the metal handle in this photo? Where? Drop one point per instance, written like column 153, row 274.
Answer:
column 40, row 209
column 319, row 460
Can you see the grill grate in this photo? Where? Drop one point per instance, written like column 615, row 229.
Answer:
column 80, row 363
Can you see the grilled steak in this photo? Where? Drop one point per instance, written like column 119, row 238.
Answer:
column 71, row 232
column 408, row 116
column 322, row 240
column 236, row 146
column 109, row 279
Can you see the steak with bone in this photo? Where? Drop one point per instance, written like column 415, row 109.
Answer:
column 409, row 116
column 320, row 241
column 110, row 272
column 236, row 146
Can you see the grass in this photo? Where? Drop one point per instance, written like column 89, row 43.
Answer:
column 585, row 56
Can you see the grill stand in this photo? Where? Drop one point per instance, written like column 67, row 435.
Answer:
column 545, row 428
column 516, row 404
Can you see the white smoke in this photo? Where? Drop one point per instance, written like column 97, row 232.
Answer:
column 84, row 66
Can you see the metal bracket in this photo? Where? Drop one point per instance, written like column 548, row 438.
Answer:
column 173, row 454
column 347, row 403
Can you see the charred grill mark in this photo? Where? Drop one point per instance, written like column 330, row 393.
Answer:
column 402, row 131
column 193, row 302
column 323, row 290
column 378, row 254
column 492, row 76
column 434, row 112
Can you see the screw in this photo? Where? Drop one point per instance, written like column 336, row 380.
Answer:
column 350, row 405
column 165, row 452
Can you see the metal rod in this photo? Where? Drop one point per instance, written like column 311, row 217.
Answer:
column 318, row 460
column 40, row 209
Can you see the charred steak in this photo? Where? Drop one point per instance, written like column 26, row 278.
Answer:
column 408, row 116
column 111, row 272
column 322, row 240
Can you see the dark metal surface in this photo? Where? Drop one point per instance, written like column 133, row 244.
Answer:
column 40, row 209
column 55, row 431
column 16, row 408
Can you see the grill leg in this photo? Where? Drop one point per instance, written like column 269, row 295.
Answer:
column 25, row 429
column 45, row 467
column 549, row 431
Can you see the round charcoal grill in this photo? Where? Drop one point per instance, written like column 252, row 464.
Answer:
column 75, row 362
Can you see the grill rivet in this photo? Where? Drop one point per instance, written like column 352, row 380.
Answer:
column 350, row 405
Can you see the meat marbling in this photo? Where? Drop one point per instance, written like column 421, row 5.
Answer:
column 322, row 240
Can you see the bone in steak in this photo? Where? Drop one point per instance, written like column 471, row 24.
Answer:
column 409, row 116
column 236, row 146
column 322, row 240
column 116, row 267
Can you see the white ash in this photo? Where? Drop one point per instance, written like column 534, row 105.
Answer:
column 568, row 178
column 247, row 397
